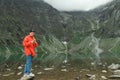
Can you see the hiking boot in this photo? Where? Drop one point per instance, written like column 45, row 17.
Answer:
column 31, row 75
column 25, row 77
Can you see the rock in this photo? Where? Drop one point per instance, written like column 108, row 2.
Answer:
column 103, row 77
column 65, row 61
column 48, row 69
column 114, row 77
column 93, row 77
column 114, row 66
column 93, row 63
column 77, row 78
column 65, row 70
column 74, row 70
column 19, row 73
column 116, row 72
column 8, row 69
column 20, row 67
column 63, row 66
column 88, row 75
column 85, row 70
column 5, row 75
column 36, row 66
column 39, row 73
column 68, row 64
column 104, row 71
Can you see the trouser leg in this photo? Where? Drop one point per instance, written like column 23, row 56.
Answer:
column 28, row 65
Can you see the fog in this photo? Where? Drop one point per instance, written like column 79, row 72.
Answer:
column 76, row 5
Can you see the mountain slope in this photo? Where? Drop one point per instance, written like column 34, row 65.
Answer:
column 104, row 20
column 18, row 16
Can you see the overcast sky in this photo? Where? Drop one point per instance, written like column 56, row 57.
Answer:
column 76, row 5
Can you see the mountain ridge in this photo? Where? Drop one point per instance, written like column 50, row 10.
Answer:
column 18, row 16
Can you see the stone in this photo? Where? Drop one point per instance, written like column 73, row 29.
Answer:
column 88, row 75
column 48, row 69
column 65, row 70
column 116, row 72
column 77, row 78
column 114, row 77
column 19, row 73
column 39, row 72
column 104, row 71
column 20, row 67
column 103, row 77
column 93, row 77
column 114, row 66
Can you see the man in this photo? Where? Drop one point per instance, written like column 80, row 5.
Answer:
column 29, row 44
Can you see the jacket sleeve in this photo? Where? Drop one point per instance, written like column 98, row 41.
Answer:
column 36, row 44
column 26, row 42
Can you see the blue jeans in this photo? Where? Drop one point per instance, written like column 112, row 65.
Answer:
column 28, row 65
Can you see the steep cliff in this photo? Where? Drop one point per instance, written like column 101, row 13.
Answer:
column 18, row 16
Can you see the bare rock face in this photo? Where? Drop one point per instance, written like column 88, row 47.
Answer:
column 46, row 19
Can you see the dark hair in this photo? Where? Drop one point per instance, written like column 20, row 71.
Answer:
column 32, row 30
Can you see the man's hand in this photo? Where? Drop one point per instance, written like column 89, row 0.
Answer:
column 33, row 41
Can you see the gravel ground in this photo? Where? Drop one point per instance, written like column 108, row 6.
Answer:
column 62, row 73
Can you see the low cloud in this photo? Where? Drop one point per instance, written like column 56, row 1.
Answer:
column 76, row 5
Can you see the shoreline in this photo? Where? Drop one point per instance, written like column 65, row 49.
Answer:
column 51, row 73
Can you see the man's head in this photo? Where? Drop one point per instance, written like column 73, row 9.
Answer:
column 32, row 32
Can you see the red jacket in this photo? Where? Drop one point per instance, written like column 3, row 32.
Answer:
column 29, row 47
